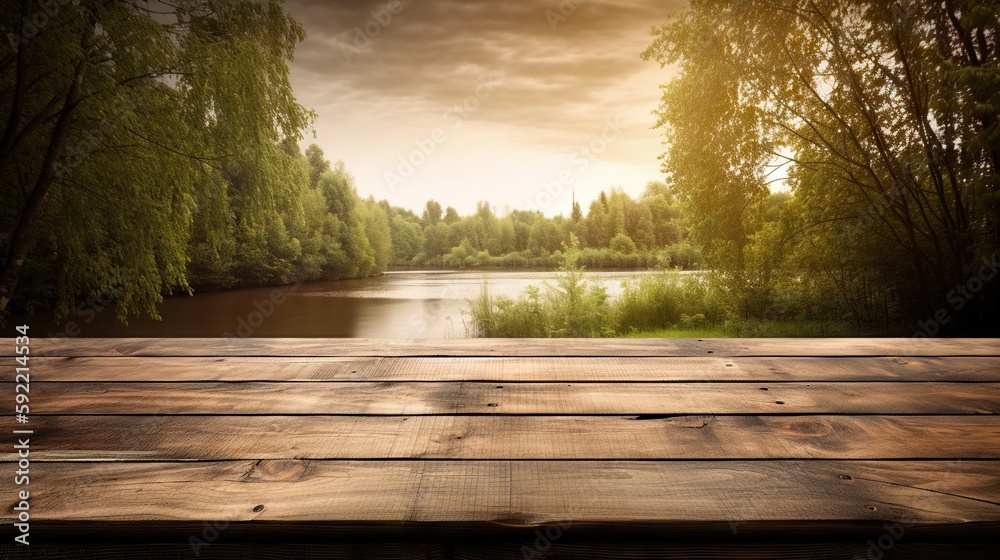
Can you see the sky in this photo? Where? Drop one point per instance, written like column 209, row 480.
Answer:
column 521, row 104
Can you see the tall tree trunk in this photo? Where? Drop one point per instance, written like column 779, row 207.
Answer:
column 23, row 237
column 20, row 84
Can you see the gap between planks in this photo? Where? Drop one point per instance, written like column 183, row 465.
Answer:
column 518, row 492
column 720, row 347
column 510, row 370
column 194, row 438
column 401, row 399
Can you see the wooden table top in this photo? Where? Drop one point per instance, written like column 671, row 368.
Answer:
column 509, row 448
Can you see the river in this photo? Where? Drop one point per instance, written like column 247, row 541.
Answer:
column 403, row 304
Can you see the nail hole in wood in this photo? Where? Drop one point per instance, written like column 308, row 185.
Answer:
column 779, row 402
column 258, row 508
column 871, row 508
column 846, row 477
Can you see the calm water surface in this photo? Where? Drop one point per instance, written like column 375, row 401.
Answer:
column 405, row 304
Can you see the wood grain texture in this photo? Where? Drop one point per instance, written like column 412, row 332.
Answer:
column 517, row 493
column 388, row 398
column 440, row 442
column 505, row 551
column 616, row 369
column 346, row 347
column 168, row 438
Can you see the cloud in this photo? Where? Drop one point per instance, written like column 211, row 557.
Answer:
column 563, row 67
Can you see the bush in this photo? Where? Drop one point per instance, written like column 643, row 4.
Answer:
column 622, row 243
column 577, row 307
column 666, row 300
column 573, row 307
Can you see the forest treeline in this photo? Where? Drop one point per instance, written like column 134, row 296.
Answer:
column 617, row 231
column 149, row 150
column 155, row 150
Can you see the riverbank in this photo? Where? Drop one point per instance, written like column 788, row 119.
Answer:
column 663, row 304
column 761, row 329
column 398, row 304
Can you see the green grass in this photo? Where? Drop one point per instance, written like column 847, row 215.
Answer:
column 574, row 306
column 758, row 329
column 680, row 333
column 664, row 305
column 668, row 304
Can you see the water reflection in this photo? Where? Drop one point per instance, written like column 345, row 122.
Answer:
column 407, row 304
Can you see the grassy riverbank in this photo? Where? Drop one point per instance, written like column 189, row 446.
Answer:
column 668, row 304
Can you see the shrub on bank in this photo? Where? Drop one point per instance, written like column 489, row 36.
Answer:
column 577, row 307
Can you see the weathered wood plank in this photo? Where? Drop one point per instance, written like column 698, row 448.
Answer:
column 387, row 398
column 55, row 347
column 617, row 369
column 168, row 438
column 465, row 550
column 519, row 493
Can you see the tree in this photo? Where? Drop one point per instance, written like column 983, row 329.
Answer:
column 318, row 164
column 121, row 121
column 622, row 243
column 886, row 114
column 407, row 239
column 376, row 231
column 432, row 213
column 437, row 241
column 451, row 216
column 357, row 257
column 596, row 226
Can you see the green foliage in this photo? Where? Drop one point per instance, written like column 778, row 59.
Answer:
column 619, row 233
column 131, row 139
column 376, row 231
column 887, row 116
column 318, row 229
column 666, row 300
column 577, row 307
column 572, row 307
column 622, row 243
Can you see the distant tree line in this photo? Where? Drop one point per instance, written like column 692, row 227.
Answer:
column 616, row 232
column 154, row 149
